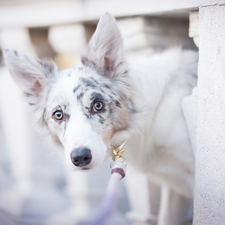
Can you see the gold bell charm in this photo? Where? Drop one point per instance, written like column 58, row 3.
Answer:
column 119, row 151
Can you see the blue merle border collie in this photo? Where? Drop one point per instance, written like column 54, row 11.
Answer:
column 107, row 98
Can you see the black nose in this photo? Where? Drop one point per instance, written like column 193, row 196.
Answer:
column 81, row 156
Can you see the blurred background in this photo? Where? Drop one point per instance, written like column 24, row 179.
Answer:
column 35, row 187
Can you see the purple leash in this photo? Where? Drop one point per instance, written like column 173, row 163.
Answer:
column 118, row 170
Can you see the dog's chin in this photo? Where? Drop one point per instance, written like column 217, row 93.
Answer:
column 89, row 167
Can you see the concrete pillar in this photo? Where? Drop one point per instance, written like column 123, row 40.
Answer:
column 209, row 203
column 39, row 39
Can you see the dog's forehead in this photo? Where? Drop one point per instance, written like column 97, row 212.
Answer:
column 74, row 82
column 69, row 78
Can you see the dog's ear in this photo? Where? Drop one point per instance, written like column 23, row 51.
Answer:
column 29, row 73
column 105, row 50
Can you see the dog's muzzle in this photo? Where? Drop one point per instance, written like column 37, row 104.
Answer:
column 81, row 156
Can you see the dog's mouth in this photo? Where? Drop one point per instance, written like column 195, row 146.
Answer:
column 85, row 168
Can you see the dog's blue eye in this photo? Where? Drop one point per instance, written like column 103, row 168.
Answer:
column 58, row 115
column 98, row 106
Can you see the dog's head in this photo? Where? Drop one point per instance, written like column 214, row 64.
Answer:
column 85, row 106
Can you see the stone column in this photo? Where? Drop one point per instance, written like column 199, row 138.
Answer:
column 209, row 199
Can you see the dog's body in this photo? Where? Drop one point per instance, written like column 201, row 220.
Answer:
column 162, row 146
column 106, row 99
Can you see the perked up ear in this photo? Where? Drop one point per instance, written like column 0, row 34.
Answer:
column 29, row 73
column 105, row 50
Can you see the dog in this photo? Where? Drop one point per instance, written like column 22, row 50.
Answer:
column 108, row 98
